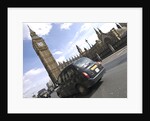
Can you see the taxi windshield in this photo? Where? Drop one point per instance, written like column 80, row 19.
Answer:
column 83, row 62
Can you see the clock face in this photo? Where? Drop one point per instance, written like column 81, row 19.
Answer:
column 40, row 44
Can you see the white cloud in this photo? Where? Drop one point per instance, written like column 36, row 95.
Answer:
column 70, row 42
column 57, row 53
column 26, row 80
column 33, row 81
column 107, row 27
column 35, row 85
column 85, row 27
column 31, row 74
column 34, row 72
column 92, row 38
column 88, row 35
column 79, row 39
column 65, row 26
column 41, row 29
column 61, row 59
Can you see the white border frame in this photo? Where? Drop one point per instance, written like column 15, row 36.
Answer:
column 18, row 104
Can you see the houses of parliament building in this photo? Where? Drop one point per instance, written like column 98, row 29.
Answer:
column 106, row 44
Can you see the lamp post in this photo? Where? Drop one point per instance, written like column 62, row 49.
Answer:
column 88, row 43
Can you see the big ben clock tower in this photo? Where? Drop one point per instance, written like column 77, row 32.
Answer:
column 45, row 56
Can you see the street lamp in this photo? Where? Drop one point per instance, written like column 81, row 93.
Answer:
column 88, row 43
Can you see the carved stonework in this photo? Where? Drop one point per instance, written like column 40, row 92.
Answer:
column 45, row 56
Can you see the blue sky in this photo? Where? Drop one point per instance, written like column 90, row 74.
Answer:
column 61, row 38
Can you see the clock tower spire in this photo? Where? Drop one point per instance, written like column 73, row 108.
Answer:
column 45, row 56
column 33, row 34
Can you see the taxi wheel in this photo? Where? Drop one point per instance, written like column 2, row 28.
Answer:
column 81, row 89
column 59, row 95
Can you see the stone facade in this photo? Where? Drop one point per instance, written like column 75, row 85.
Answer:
column 45, row 56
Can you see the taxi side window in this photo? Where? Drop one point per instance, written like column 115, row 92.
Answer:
column 66, row 77
column 70, row 73
column 60, row 79
column 63, row 78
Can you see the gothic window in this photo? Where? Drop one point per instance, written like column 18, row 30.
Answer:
column 66, row 77
column 70, row 73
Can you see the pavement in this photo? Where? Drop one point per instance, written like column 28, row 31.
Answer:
column 114, row 55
